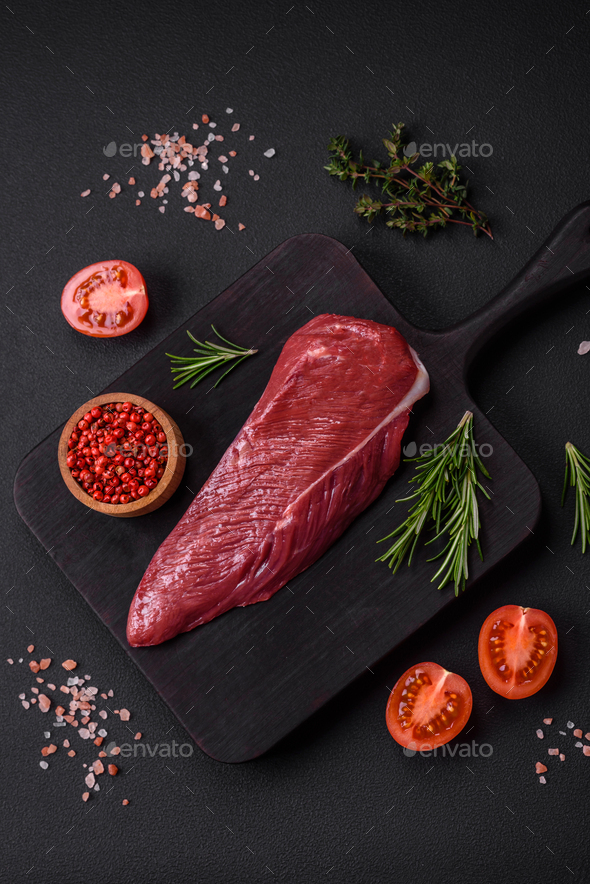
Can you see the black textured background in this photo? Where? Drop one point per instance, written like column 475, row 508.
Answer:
column 337, row 800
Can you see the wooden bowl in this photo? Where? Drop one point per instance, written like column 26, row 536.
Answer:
column 167, row 484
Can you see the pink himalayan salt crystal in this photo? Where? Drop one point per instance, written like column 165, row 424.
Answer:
column 540, row 768
column 125, row 715
column 547, row 721
column 540, row 734
column 542, row 780
column 553, row 751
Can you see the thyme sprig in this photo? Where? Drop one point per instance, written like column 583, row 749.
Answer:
column 446, row 501
column 577, row 475
column 416, row 199
column 209, row 357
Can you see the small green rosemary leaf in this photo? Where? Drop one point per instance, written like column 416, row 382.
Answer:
column 446, row 501
column 577, row 475
column 209, row 357
column 408, row 191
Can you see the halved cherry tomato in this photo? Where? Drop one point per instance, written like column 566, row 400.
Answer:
column 517, row 650
column 427, row 707
column 105, row 300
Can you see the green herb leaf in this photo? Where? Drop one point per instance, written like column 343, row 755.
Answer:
column 446, row 500
column 577, row 471
column 209, row 357
column 408, row 191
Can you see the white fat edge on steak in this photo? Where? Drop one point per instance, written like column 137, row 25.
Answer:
column 419, row 388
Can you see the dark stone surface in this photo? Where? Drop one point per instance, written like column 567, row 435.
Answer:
column 337, row 799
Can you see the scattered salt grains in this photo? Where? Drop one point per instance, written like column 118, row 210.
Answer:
column 584, row 348
column 70, row 664
column 85, row 192
column 578, row 745
column 270, row 152
column 235, row 127
column 212, row 125
column 578, row 732
column 20, row 659
column 98, row 766
column 45, row 663
column 561, row 756
column 251, row 138
column 547, row 721
column 586, row 750
column 162, row 209
column 219, row 223
column 131, row 181
column 195, row 125
column 540, row 767
column 44, row 703
column 553, row 751
column 110, row 693
column 225, row 169
column 241, row 226
column 256, row 177
column 542, row 780
column 125, row 801
column 102, row 713
column 50, row 686
column 85, row 796
column 21, row 696
column 540, row 734
column 46, row 734
column 26, row 704
column 570, row 724
column 124, row 715
column 217, row 186
column 141, row 194
column 250, row 171
column 105, row 177
column 89, row 779
column 96, row 787
column 229, row 110
column 563, row 733
column 84, row 733
column 35, row 690
column 30, row 649
column 43, row 764
column 222, row 158
column 10, row 660
column 102, row 732
column 66, row 744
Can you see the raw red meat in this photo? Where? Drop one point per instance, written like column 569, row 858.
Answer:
column 317, row 450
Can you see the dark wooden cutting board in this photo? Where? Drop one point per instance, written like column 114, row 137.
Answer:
column 243, row 681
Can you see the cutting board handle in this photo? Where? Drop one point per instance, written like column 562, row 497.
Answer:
column 562, row 262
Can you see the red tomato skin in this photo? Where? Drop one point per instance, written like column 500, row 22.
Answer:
column 533, row 617
column 453, row 683
column 120, row 321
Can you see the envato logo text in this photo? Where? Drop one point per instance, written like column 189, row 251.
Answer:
column 124, row 150
column 429, row 150
column 463, row 750
column 412, row 449
column 150, row 750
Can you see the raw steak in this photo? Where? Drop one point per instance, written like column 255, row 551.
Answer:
column 318, row 448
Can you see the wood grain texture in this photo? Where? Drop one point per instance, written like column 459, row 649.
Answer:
column 167, row 484
column 243, row 681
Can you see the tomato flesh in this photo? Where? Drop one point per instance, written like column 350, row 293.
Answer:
column 427, row 707
column 517, row 650
column 105, row 300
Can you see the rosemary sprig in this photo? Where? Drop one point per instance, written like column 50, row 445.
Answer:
column 417, row 199
column 209, row 357
column 446, row 500
column 577, row 471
